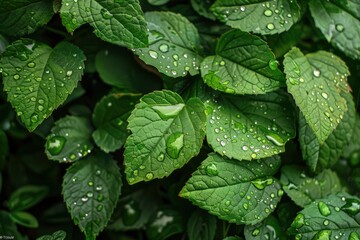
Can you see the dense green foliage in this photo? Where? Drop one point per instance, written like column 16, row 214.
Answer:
column 180, row 119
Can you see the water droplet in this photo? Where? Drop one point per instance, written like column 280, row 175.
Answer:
column 16, row 76
column 242, row 8
column 106, row 14
column 268, row 12
column 164, row 48
column 90, row 194
column 276, row 139
column 100, row 198
column 253, row 155
column 316, row 73
column 273, row 64
column 90, row 183
column 149, row 175
column 168, row 111
column 72, row 156
column 270, row 26
column 324, row 95
column 354, row 236
column 99, row 207
column 255, row 232
column 69, row 73
column 31, row 64
column 245, row 206
column 298, row 221
column 280, row 192
column 352, row 206
column 155, row 36
column 323, row 235
column 324, row 209
column 40, row 108
column 161, row 157
column 34, row 118
column 340, row 27
column 153, row 54
column 84, row 199
column 174, row 144
column 262, row 183
column 245, row 148
column 211, row 169
column 326, row 222
column 98, row 188
column 55, row 144
column 222, row 63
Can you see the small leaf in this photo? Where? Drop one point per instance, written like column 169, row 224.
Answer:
column 258, row 16
column 339, row 21
column 26, row 197
column 269, row 229
column 243, row 64
column 58, row 235
column 24, row 17
column 239, row 192
column 166, row 134
column 24, row 219
column 303, row 189
column 70, row 139
column 201, row 225
column 91, row 189
column 336, row 215
column 38, row 79
column 319, row 156
column 250, row 127
column 110, row 120
column 174, row 44
column 316, row 80
column 8, row 227
column 117, row 22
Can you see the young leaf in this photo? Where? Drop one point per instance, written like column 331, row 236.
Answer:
column 243, row 64
column 201, row 225
column 58, row 235
column 319, row 156
column 24, row 219
column 174, row 44
column 91, row 189
column 336, row 215
column 24, row 17
column 8, row 227
column 239, row 192
column 339, row 21
column 316, row 80
column 303, row 189
column 70, row 139
column 258, row 16
column 26, row 197
column 269, row 229
column 166, row 134
column 38, row 79
column 110, row 120
column 250, row 127
column 117, row 22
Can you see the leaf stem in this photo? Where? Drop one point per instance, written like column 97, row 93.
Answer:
column 56, row 31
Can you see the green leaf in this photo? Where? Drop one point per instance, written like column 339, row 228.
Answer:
column 38, row 79
column 58, row 235
column 316, row 80
column 166, row 134
column 239, row 192
column 174, row 44
column 158, row 2
column 243, row 64
column 8, row 227
column 116, row 62
column 353, row 148
column 269, row 229
column 258, row 16
column 303, row 189
column 202, row 7
column 24, row 219
column 201, row 226
column 336, row 215
column 117, row 21
column 165, row 223
column 319, row 156
column 69, row 140
column 250, row 127
column 26, row 197
column 91, row 189
column 24, row 17
column 3, row 44
column 339, row 21
column 110, row 120
column 4, row 146
column 232, row 238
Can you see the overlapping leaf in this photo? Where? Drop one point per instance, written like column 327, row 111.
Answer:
column 201, row 225
column 339, row 21
column 239, row 192
column 25, row 16
column 91, row 189
column 174, row 44
column 58, row 235
column 166, row 134
column 69, row 140
column 303, row 189
column 38, row 79
column 334, row 217
column 269, row 229
column 250, row 127
column 202, row 7
column 243, row 64
column 316, row 81
column 117, row 22
column 258, row 16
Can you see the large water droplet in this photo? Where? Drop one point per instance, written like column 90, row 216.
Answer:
column 69, row 73
column 106, row 14
column 262, row 183
column 268, row 12
column 153, row 54
column 16, row 76
column 352, row 206
column 339, row 27
column 270, row 26
column 164, row 48
column 174, row 144
column 323, row 235
column 324, row 209
column 276, row 139
column 55, row 144
column 211, row 169
column 273, row 64
column 316, row 72
column 31, row 64
column 168, row 111
column 324, row 95
column 298, row 221
column 149, row 176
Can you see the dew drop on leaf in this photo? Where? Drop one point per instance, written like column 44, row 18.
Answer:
column 270, row 26
column 323, row 235
column 155, row 36
column 34, row 118
column 174, row 144
column 84, row 199
column 31, row 64
column 340, row 27
column 255, row 232
column 99, row 207
column 16, row 76
column 164, row 48
column 273, row 64
column 274, row 138
column 149, row 175
column 168, row 111
column 153, row 54
column 262, row 183
column 298, row 221
column 55, row 144
column 268, row 12
column 324, row 209
column 316, row 72
column 211, row 169
column 69, row 73
column 352, row 206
